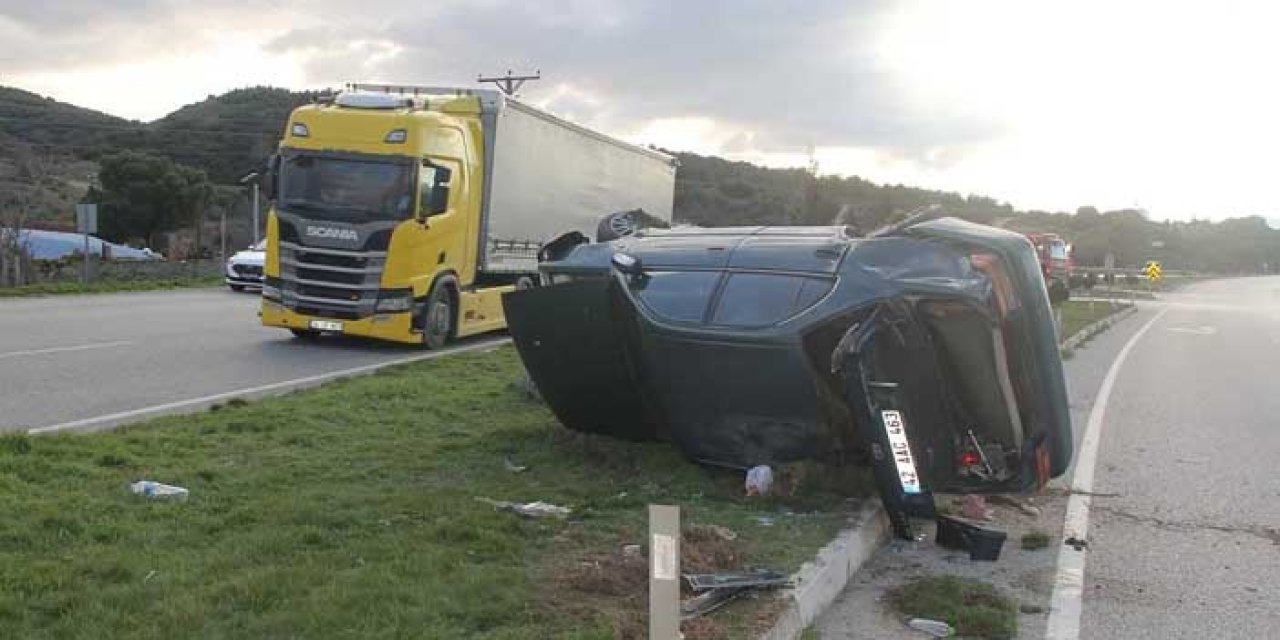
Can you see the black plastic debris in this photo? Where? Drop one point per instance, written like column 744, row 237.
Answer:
column 757, row 578
column 709, row 601
column 718, row 589
column 982, row 543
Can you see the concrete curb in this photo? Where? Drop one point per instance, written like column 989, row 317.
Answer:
column 819, row 581
column 196, row 405
column 1088, row 332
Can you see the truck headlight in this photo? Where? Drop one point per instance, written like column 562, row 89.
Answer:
column 394, row 301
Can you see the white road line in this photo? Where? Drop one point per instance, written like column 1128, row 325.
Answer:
column 79, row 347
column 1065, row 604
column 109, row 421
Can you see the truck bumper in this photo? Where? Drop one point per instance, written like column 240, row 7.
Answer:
column 393, row 327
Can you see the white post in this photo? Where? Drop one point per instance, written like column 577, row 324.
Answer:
column 664, row 572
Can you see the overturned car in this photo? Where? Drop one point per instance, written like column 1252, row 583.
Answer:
column 927, row 349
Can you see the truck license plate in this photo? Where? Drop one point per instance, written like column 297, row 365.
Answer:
column 901, row 451
column 326, row 325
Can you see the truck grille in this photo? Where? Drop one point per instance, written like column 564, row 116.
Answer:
column 331, row 283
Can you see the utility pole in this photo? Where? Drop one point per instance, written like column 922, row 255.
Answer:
column 251, row 179
column 255, row 213
column 510, row 84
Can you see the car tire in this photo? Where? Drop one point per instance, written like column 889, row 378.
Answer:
column 438, row 317
column 525, row 282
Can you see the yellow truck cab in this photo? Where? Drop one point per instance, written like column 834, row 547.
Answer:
column 404, row 213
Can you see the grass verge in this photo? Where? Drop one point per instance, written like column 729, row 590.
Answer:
column 974, row 608
column 351, row 511
column 1078, row 314
column 108, row 286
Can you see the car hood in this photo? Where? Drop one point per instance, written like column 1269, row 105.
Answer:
column 248, row 257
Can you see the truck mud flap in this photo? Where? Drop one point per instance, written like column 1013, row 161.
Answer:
column 578, row 358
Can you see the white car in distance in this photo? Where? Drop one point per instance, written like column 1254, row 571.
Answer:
column 244, row 269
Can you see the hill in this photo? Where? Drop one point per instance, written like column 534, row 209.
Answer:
column 229, row 135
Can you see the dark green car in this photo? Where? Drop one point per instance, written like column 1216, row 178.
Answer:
column 928, row 350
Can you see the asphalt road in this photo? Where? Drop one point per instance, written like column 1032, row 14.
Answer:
column 1184, row 534
column 68, row 358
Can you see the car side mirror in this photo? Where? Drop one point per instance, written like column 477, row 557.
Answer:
column 436, row 182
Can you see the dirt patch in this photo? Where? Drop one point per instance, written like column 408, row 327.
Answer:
column 705, row 550
column 614, row 587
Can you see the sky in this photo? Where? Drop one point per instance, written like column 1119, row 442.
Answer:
column 1170, row 106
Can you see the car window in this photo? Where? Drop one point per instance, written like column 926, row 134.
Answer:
column 760, row 299
column 677, row 295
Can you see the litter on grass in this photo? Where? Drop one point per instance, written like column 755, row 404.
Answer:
column 158, row 491
column 935, row 628
column 528, row 509
column 759, row 481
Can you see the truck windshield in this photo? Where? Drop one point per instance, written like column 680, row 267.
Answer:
column 347, row 189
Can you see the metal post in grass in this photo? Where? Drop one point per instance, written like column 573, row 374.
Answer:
column 664, row 572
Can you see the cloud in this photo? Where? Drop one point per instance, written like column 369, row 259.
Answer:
column 791, row 74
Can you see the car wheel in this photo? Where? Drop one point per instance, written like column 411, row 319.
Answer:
column 617, row 225
column 525, row 282
column 437, row 318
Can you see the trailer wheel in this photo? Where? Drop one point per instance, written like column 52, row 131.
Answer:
column 438, row 317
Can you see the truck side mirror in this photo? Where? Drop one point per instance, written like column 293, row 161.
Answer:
column 269, row 181
column 435, row 182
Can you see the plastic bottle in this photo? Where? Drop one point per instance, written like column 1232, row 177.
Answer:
column 759, row 480
column 158, row 491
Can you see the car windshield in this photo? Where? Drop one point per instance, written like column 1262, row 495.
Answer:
column 347, row 189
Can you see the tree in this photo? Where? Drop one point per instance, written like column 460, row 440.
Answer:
column 143, row 195
column 16, row 207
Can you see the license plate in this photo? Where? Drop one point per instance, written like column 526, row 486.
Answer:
column 901, row 451
column 326, row 325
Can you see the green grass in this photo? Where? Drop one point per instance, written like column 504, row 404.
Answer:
column 1078, row 314
column 109, row 286
column 350, row 512
column 1033, row 540
column 974, row 608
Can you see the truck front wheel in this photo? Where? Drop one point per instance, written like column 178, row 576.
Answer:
column 437, row 318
